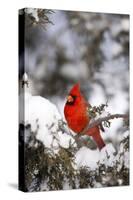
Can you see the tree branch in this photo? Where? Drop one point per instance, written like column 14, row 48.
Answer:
column 100, row 120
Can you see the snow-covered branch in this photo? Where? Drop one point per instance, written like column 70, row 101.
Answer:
column 103, row 119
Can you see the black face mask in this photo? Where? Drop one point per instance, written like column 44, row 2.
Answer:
column 72, row 101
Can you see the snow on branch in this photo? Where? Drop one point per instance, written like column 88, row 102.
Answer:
column 103, row 119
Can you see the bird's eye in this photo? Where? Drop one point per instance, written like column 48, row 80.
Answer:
column 70, row 99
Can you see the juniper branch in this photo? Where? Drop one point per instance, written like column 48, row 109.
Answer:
column 102, row 119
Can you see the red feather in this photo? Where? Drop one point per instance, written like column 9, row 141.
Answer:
column 77, row 117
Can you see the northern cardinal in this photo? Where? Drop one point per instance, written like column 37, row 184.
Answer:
column 77, row 116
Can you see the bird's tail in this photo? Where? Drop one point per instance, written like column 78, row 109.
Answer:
column 95, row 133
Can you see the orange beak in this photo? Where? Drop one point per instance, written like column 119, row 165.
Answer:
column 70, row 99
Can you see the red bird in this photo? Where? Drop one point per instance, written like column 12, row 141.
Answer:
column 77, row 117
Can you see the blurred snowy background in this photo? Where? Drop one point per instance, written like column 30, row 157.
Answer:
column 61, row 49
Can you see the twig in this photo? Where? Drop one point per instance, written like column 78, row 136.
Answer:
column 100, row 120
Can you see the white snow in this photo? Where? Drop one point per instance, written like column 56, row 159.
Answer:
column 25, row 77
column 75, row 70
column 122, row 26
column 107, row 155
column 87, row 157
column 91, row 158
column 33, row 12
column 110, row 47
column 43, row 117
column 125, row 24
column 66, row 185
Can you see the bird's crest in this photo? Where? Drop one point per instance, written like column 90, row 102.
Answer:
column 75, row 90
